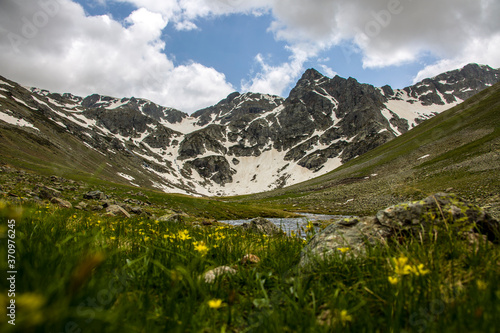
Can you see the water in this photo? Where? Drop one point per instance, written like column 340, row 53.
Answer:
column 291, row 224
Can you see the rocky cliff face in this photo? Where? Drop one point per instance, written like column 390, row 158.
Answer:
column 247, row 142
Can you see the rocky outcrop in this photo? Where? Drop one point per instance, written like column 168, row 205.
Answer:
column 440, row 213
column 262, row 226
column 214, row 168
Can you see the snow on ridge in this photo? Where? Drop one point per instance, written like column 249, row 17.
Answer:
column 16, row 121
column 124, row 175
column 22, row 102
column 185, row 126
column 6, row 83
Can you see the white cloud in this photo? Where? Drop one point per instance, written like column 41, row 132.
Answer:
column 327, row 70
column 72, row 52
column 275, row 79
column 62, row 49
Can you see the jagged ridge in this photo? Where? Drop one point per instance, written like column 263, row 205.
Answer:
column 247, row 142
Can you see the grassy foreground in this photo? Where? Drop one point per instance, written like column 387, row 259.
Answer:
column 80, row 272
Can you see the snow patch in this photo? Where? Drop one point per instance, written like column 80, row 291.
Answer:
column 16, row 121
column 6, row 83
column 124, row 175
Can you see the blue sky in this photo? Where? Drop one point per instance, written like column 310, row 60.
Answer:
column 189, row 54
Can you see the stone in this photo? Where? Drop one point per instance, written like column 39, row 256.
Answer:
column 81, row 205
column 117, row 211
column 441, row 212
column 61, row 202
column 249, row 259
column 171, row 218
column 210, row 276
column 48, row 193
column 94, row 195
column 136, row 210
column 262, row 226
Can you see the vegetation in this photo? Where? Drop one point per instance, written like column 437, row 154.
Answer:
column 82, row 272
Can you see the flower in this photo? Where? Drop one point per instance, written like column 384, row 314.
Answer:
column 184, row 235
column 343, row 249
column 400, row 266
column 201, row 247
column 393, row 280
column 481, row 285
column 419, row 270
column 345, row 317
column 215, row 303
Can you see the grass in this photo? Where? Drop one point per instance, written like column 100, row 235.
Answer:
column 462, row 148
column 81, row 272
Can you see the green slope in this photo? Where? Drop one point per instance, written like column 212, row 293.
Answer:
column 457, row 150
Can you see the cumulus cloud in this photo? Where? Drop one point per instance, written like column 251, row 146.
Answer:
column 396, row 32
column 54, row 45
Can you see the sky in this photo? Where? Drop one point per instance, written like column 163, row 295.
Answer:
column 190, row 54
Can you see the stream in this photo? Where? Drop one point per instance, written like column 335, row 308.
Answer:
column 291, row 224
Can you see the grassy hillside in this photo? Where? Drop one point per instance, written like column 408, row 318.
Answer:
column 457, row 150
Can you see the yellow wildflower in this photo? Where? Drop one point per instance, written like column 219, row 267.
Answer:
column 201, row 247
column 481, row 285
column 215, row 303
column 345, row 317
column 400, row 266
column 183, row 235
column 419, row 270
column 343, row 249
column 393, row 280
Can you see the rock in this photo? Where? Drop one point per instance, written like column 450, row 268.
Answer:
column 441, row 211
column 117, row 211
column 171, row 218
column 94, row 195
column 81, row 205
column 61, row 202
column 210, row 276
column 262, row 226
column 249, row 259
column 96, row 207
column 48, row 193
column 136, row 210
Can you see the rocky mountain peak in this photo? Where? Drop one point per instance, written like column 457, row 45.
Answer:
column 246, row 143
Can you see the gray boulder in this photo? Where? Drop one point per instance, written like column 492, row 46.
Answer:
column 47, row 192
column 94, row 195
column 61, row 202
column 117, row 211
column 174, row 217
column 440, row 212
column 262, row 226
column 212, row 275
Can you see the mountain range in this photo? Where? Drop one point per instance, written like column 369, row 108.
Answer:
column 244, row 144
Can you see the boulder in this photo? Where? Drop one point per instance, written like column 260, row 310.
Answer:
column 171, row 218
column 94, row 195
column 262, row 226
column 117, row 211
column 210, row 276
column 441, row 212
column 47, row 192
column 61, row 202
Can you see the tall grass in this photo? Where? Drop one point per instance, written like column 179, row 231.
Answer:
column 81, row 272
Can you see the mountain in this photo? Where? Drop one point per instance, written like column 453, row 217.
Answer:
column 456, row 151
column 246, row 143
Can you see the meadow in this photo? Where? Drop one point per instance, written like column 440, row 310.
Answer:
column 79, row 271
